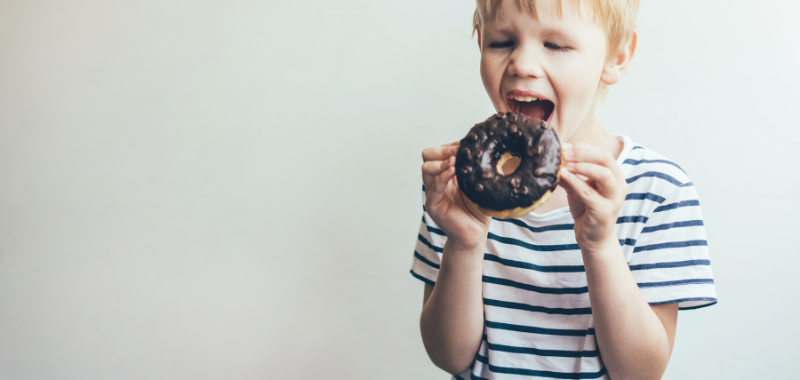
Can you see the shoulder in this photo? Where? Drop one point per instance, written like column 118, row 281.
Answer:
column 655, row 183
column 646, row 168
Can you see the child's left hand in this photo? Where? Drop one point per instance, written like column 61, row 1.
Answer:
column 595, row 198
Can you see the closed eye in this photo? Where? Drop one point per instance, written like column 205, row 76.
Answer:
column 501, row 45
column 555, row 47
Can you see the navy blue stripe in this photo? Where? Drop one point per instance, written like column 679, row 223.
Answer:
column 538, row 268
column 537, row 309
column 533, row 372
column 423, row 279
column 426, row 261
column 688, row 184
column 662, row 227
column 637, row 147
column 632, row 219
column 555, row 227
column 517, row 264
column 472, row 376
column 648, row 196
column 570, row 227
column 533, row 288
column 671, row 206
column 533, row 247
column 423, row 187
column 426, row 242
column 430, row 228
column 434, row 230
column 656, row 175
column 626, row 241
column 672, row 244
column 538, row 330
column 538, row 352
column 637, row 162
column 676, row 282
column 710, row 299
column 674, row 264
column 697, row 306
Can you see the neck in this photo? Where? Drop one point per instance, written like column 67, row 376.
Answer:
column 591, row 132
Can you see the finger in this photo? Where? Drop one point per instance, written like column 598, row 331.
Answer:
column 576, row 206
column 583, row 152
column 601, row 177
column 579, row 188
column 435, row 168
column 444, row 179
column 567, row 187
column 439, row 153
column 563, row 182
column 431, row 169
column 437, row 192
column 441, row 181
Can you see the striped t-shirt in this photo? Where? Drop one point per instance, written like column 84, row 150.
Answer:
column 537, row 318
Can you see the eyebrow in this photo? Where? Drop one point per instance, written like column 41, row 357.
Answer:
column 549, row 32
column 502, row 30
column 557, row 33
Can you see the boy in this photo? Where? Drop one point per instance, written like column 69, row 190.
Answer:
column 589, row 285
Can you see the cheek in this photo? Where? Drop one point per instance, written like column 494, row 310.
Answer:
column 579, row 79
column 491, row 75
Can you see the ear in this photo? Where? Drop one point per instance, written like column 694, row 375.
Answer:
column 478, row 30
column 617, row 66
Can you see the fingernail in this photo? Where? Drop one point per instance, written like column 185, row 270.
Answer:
column 570, row 165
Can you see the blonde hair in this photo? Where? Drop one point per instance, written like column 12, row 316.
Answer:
column 617, row 17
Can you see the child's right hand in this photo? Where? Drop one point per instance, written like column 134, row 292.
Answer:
column 466, row 228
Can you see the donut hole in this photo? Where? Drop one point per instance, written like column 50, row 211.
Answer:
column 507, row 164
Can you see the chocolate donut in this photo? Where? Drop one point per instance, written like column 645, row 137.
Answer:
column 487, row 147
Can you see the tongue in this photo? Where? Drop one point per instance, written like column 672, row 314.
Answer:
column 540, row 109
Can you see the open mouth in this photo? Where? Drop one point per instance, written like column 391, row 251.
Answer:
column 531, row 106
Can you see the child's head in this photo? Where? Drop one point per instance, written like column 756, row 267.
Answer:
column 564, row 52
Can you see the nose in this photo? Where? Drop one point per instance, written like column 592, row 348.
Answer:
column 525, row 63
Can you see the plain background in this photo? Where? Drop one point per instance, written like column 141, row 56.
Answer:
column 230, row 189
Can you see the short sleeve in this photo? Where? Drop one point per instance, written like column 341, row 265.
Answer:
column 428, row 249
column 670, row 261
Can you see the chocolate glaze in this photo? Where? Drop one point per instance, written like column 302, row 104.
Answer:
column 532, row 140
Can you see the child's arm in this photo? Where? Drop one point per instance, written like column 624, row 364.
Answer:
column 452, row 314
column 635, row 339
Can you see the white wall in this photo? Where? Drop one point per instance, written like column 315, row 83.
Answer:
column 230, row 189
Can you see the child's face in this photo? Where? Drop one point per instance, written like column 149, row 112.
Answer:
column 557, row 59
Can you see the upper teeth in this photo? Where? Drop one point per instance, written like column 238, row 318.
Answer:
column 524, row 98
